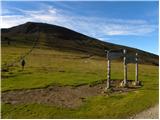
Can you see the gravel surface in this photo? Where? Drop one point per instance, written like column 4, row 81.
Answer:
column 151, row 113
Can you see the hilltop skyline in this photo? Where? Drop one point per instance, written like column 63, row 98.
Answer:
column 133, row 24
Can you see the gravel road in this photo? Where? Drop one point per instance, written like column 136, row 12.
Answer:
column 151, row 113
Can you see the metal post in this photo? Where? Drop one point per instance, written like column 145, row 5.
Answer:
column 108, row 70
column 136, row 70
column 125, row 68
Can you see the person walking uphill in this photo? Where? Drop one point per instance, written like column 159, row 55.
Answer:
column 23, row 64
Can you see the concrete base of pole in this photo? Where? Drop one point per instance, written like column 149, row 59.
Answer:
column 122, row 84
column 107, row 90
column 137, row 83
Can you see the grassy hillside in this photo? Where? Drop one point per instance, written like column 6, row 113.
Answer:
column 50, row 67
column 63, row 39
column 55, row 68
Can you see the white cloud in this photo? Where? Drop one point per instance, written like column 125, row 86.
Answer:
column 10, row 21
column 92, row 26
column 129, row 29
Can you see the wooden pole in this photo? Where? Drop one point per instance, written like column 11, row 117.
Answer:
column 108, row 70
column 136, row 70
column 125, row 68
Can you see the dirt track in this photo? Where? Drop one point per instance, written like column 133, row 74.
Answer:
column 65, row 96
column 53, row 95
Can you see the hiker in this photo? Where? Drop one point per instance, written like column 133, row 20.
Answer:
column 23, row 64
column 8, row 40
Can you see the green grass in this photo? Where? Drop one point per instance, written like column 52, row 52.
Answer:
column 39, row 80
column 50, row 67
column 55, row 68
column 115, row 106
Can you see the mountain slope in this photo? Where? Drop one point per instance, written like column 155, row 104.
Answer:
column 56, row 37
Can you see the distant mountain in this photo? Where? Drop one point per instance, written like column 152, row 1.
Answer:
column 64, row 39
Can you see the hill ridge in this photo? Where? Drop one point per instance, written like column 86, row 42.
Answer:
column 62, row 38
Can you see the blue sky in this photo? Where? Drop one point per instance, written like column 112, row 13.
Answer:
column 133, row 24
